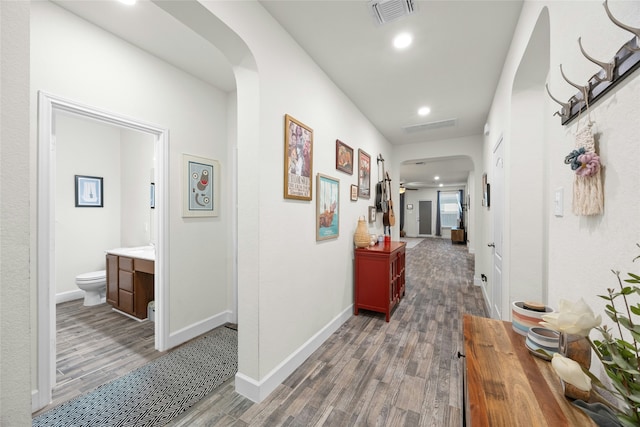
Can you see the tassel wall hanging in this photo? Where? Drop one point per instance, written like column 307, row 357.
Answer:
column 588, row 197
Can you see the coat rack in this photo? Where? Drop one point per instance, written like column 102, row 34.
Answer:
column 624, row 63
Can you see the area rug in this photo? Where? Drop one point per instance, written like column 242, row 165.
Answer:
column 155, row 393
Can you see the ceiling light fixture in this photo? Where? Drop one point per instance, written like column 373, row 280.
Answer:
column 436, row 177
column 128, row 2
column 423, row 111
column 440, row 185
column 402, row 40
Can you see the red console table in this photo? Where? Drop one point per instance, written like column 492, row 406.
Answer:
column 379, row 281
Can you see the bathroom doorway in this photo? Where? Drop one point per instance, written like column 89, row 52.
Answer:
column 51, row 111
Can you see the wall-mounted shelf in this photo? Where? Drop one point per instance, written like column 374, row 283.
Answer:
column 627, row 60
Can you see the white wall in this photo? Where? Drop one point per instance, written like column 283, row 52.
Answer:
column 581, row 250
column 124, row 160
column 75, row 60
column 302, row 285
column 137, row 167
column 15, row 235
column 83, row 233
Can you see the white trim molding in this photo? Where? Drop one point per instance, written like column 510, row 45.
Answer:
column 199, row 328
column 48, row 105
column 257, row 391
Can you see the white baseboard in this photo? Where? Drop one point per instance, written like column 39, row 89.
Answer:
column 69, row 296
column 257, row 391
column 198, row 329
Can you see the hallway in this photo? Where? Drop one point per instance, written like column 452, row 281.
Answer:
column 370, row 372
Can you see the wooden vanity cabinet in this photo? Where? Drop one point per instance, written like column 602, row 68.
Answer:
column 112, row 280
column 379, row 277
column 130, row 284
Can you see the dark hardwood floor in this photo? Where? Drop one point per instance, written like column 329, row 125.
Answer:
column 370, row 372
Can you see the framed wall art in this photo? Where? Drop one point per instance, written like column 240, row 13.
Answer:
column 298, row 159
column 364, row 175
column 344, row 157
column 327, row 207
column 89, row 191
column 372, row 214
column 486, row 192
column 354, row 192
column 201, row 197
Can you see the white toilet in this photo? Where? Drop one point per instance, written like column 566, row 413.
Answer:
column 94, row 285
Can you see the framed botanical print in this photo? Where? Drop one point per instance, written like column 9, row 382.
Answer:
column 354, row 192
column 298, row 159
column 364, row 175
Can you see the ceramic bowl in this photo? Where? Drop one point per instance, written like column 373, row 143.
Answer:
column 546, row 338
column 522, row 318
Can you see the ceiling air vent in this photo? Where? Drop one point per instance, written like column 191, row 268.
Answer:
column 430, row 126
column 385, row 11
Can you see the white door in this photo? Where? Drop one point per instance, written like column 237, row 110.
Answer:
column 495, row 200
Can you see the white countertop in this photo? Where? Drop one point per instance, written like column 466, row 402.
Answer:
column 141, row 252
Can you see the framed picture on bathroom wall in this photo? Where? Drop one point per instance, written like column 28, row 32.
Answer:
column 201, row 197
column 89, row 192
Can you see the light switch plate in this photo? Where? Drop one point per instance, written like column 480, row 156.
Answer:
column 558, row 202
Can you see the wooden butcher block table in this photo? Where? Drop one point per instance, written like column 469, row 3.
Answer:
column 505, row 385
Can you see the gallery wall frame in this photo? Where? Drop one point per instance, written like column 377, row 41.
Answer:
column 344, row 157
column 298, row 159
column 201, row 186
column 372, row 214
column 364, row 174
column 327, row 207
column 354, row 192
column 89, row 191
column 486, row 191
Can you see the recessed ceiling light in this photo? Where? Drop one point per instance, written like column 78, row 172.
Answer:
column 440, row 185
column 423, row 111
column 128, row 2
column 402, row 40
column 436, row 177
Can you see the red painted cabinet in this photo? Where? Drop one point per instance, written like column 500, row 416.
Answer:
column 379, row 277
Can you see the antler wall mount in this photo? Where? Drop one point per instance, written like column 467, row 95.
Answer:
column 625, row 61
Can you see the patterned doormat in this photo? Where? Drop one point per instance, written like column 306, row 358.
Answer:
column 155, row 393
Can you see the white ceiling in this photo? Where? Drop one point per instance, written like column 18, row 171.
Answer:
column 452, row 66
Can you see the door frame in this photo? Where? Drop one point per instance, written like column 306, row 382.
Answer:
column 48, row 105
column 498, row 306
column 430, row 218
